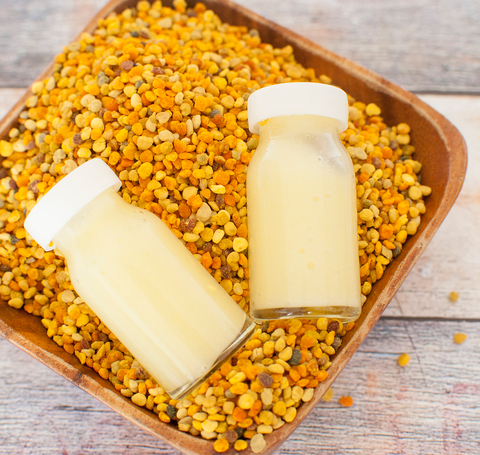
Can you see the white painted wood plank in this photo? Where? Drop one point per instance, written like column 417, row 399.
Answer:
column 420, row 45
column 8, row 98
column 428, row 407
column 430, row 45
column 32, row 32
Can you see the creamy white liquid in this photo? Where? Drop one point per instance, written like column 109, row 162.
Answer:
column 302, row 219
column 149, row 290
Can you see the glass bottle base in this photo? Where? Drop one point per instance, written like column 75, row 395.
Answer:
column 341, row 313
column 245, row 333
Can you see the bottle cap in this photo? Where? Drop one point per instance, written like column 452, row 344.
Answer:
column 54, row 210
column 297, row 98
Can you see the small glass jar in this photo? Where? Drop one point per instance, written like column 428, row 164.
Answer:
column 139, row 279
column 303, row 240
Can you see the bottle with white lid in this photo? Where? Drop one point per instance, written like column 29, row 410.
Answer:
column 303, row 241
column 139, row 279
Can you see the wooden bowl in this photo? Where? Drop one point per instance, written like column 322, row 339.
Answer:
column 440, row 148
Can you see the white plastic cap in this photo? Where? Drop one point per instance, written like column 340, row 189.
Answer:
column 67, row 198
column 297, row 98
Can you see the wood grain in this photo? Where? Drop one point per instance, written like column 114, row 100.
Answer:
column 32, row 32
column 421, row 46
column 431, row 45
column 428, row 407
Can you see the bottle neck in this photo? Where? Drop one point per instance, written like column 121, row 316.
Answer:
column 298, row 125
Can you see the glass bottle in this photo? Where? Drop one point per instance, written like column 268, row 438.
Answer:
column 139, row 279
column 303, row 241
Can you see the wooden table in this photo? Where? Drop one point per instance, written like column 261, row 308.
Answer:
column 429, row 407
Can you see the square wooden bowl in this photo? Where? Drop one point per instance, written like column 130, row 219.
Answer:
column 440, row 148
